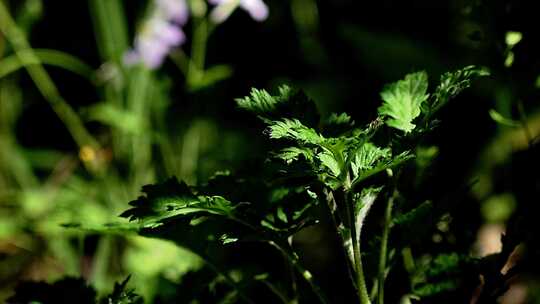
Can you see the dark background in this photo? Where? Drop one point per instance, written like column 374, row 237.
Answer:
column 342, row 61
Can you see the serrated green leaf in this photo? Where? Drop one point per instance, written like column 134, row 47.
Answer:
column 367, row 157
column 171, row 199
column 337, row 124
column 293, row 129
column 442, row 273
column 328, row 160
column 414, row 215
column 451, row 84
column 436, row 288
column 403, row 99
column 382, row 166
column 339, row 119
column 289, row 103
column 291, row 154
column 362, row 204
column 260, row 101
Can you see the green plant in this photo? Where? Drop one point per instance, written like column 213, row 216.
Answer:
column 332, row 162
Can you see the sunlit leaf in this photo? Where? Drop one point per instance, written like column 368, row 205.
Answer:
column 293, row 129
column 403, row 99
column 451, row 84
column 367, row 157
column 289, row 103
column 328, row 160
column 172, row 199
column 291, row 154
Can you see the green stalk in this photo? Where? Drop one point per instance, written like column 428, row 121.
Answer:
column 334, row 215
column 100, row 267
column 282, row 297
column 524, row 124
column 110, row 28
column 11, row 64
column 196, row 68
column 42, row 80
column 227, row 278
column 198, row 52
column 384, row 247
column 110, row 31
column 306, row 274
column 137, row 104
column 359, row 269
column 290, row 269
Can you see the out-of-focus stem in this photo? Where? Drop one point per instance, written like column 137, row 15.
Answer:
column 196, row 68
column 306, row 274
column 227, row 278
column 43, row 82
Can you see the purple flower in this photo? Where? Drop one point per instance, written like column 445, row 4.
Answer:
column 257, row 9
column 173, row 10
column 166, row 33
column 154, row 43
column 159, row 34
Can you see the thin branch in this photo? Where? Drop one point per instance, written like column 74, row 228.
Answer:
column 295, row 261
column 42, row 80
column 383, row 256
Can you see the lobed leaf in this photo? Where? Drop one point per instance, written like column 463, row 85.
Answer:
column 291, row 154
column 403, row 99
column 293, row 129
column 362, row 204
column 260, row 101
column 416, row 215
column 289, row 103
column 328, row 161
column 339, row 119
column 451, row 84
column 382, row 165
column 367, row 157
column 337, row 124
column 172, row 199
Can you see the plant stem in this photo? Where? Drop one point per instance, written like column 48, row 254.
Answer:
column 227, row 278
column 359, row 269
column 290, row 269
column 334, row 215
column 201, row 31
column 523, row 120
column 277, row 292
column 43, row 82
column 110, row 28
column 295, row 261
column 384, row 246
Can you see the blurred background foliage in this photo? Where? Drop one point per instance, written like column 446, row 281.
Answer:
column 81, row 131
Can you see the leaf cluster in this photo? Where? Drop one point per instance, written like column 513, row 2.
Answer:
column 315, row 160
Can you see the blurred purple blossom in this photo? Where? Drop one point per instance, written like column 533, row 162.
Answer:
column 173, row 10
column 159, row 34
column 257, row 9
